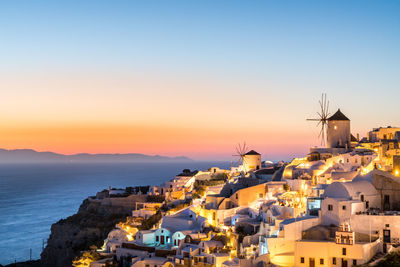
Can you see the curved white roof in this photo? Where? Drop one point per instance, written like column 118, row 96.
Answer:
column 350, row 190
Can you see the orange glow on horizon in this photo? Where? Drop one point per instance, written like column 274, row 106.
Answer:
column 170, row 140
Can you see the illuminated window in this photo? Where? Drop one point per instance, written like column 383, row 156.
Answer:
column 335, row 127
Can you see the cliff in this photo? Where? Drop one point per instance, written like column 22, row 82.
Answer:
column 90, row 226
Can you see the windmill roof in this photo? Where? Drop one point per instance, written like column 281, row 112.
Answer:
column 338, row 116
column 252, row 152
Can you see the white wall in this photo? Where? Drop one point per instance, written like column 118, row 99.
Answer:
column 328, row 249
column 363, row 224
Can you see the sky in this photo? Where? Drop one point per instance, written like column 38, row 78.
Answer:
column 193, row 78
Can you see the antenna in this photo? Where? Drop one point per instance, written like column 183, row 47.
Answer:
column 323, row 118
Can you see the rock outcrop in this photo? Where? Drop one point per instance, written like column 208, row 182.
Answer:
column 90, row 226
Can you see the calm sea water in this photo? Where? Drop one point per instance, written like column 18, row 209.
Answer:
column 34, row 196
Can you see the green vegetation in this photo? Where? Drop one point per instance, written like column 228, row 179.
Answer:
column 286, row 187
column 219, row 176
column 392, row 259
column 86, row 258
column 151, row 221
column 155, row 198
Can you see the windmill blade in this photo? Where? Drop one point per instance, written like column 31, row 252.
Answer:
column 323, row 114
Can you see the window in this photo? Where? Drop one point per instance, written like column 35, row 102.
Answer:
column 302, row 260
column 237, row 196
column 387, row 225
column 260, row 195
column 321, row 261
column 344, row 251
column 362, row 197
column 366, row 204
column 157, row 238
column 214, row 216
column 343, row 207
column 334, row 261
column 330, row 207
column 354, row 262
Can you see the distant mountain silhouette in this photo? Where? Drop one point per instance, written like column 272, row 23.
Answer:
column 30, row 155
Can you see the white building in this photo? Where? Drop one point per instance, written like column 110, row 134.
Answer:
column 341, row 200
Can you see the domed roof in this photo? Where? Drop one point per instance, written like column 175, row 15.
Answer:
column 349, row 190
column 338, row 116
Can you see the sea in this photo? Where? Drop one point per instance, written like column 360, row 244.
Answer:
column 34, row 196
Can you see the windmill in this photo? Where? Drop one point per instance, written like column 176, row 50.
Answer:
column 323, row 118
column 241, row 150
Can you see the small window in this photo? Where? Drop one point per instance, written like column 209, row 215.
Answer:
column 344, row 252
column 366, row 204
column 362, row 197
column 343, row 207
column 354, row 262
column 321, row 261
column 302, row 260
column 260, row 195
column 330, row 207
column 334, row 260
column 157, row 238
column 237, row 196
column 386, row 225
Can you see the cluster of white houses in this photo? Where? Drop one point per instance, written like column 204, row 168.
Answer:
column 337, row 206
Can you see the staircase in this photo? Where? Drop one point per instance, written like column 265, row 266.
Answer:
column 376, row 257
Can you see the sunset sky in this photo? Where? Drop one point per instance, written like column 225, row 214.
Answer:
column 193, row 78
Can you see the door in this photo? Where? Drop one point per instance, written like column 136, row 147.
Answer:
column 386, row 202
column 344, row 263
column 312, row 262
column 386, row 236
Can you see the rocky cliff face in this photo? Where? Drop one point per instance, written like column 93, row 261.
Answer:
column 90, row 226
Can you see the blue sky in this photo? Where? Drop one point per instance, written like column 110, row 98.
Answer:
column 264, row 59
